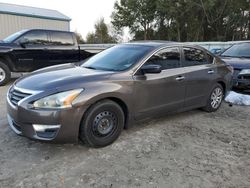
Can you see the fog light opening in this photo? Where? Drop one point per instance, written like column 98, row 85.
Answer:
column 46, row 132
column 44, row 128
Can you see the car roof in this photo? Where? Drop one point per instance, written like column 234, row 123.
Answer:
column 162, row 43
column 27, row 30
column 153, row 43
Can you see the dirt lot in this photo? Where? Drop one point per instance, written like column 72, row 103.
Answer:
column 192, row 149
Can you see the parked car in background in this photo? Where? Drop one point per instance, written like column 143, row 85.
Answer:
column 111, row 90
column 217, row 51
column 238, row 56
column 29, row 50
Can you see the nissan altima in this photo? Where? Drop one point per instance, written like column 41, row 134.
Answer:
column 96, row 100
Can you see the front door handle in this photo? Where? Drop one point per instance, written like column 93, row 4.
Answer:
column 180, row 78
column 210, row 72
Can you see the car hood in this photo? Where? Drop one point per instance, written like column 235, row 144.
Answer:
column 67, row 76
column 237, row 63
column 7, row 46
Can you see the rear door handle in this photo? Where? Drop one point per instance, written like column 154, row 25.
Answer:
column 179, row 78
column 210, row 72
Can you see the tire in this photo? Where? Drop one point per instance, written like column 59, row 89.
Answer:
column 4, row 74
column 215, row 99
column 102, row 124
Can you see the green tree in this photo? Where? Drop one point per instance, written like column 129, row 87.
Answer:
column 204, row 20
column 184, row 20
column 90, row 38
column 138, row 15
column 101, row 33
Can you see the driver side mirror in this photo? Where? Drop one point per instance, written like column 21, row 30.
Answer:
column 151, row 69
column 23, row 42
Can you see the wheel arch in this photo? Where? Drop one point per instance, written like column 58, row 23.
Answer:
column 118, row 101
column 7, row 62
column 124, row 107
column 223, row 84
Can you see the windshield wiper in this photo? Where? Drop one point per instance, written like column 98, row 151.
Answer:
column 107, row 69
column 89, row 67
column 226, row 56
column 243, row 56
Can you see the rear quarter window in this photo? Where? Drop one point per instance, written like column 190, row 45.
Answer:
column 210, row 59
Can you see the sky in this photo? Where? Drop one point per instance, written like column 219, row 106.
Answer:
column 84, row 13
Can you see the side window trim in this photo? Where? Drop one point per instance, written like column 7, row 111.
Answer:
column 156, row 51
column 61, row 32
column 33, row 31
column 207, row 54
column 166, row 48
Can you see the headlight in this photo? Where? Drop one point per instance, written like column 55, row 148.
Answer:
column 245, row 71
column 59, row 100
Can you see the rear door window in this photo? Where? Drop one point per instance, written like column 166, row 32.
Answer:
column 61, row 38
column 193, row 57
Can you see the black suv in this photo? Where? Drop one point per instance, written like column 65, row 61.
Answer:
column 29, row 50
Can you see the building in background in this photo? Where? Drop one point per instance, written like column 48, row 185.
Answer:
column 14, row 18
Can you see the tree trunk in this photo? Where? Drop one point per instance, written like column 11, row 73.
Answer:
column 145, row 32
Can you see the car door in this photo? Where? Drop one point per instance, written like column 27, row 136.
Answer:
column 32, row 54
column 63, row 48
column 199, row 76
column 162, row 92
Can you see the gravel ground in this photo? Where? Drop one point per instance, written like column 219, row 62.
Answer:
column 191, row 149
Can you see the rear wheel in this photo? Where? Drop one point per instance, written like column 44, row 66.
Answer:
column 102, row 124
column 215, row 99
column 4, row 74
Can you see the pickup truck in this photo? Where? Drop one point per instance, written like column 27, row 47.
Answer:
column 29, row 50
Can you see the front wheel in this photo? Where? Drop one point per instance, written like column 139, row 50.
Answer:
column 102, row 124
column 215, row 99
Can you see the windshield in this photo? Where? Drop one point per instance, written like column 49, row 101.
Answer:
column 14, row 36
column 118, row 58
column 238, row 50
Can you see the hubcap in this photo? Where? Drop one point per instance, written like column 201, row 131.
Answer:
column 216, row 97
column 104, row 123
column 2, row 75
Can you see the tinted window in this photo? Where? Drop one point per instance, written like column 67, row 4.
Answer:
column 238, row 50
column 14, row 36
column 36, row 37
column 61, row 38
column 210, row 58
column 168, row 58
column 118, row 58
column 194, row 57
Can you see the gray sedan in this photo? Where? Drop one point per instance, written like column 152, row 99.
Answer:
column 95, row 101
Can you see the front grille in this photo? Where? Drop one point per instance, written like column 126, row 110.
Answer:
column 244, row 77
column 15, row 96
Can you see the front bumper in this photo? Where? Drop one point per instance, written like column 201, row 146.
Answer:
column 60, row 126
column 242, row 82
